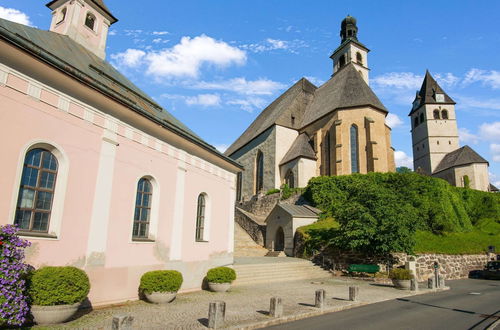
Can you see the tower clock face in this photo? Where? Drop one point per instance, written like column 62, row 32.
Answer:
column 439, row 97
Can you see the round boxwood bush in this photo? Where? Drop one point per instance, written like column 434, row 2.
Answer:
column 400, row 274
column 221, row 275
column 49, row 286
column 161, row 281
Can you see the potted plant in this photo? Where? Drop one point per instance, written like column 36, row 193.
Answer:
column 56, row 293
column 401, row 278
column 161, row 286
column 219, row 279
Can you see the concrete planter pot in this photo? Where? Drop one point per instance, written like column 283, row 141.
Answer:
column 160, row 297
column 219, row 287
column 53, row 314
column 401, row 284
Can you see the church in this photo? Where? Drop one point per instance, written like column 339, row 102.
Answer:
column 434, row 135
column 335, row 129
column 95, row 173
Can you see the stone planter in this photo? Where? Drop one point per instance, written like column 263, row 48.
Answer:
column 53, row 314
column 401, row 284
column 219, row 287
column 160, row 297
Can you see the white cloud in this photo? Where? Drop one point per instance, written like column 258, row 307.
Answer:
column 221, row 147
column 249, row 104
column 446, row 79
column 131, row 58
column 392, row 120
column 494, row 179
column 495, row 151
column 402, row 159
column 242, row 86
column 315, row 81
column 15, row 15
column 488, row 78
column 465, row 136
column 275, row 44
column 490, row 131
column 112, row 33
column 204, row 100
column 160, row 33
column 471, row 102
column 399, row 80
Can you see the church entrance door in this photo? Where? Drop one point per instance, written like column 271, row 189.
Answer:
column 279, row 240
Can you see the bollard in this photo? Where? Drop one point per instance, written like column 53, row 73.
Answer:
column 122, row 322
column 320, row 299
column 431, row 284
column 441, row 282
column 353, row 293
column 216, row 314
column 276, row 308
column 413, row 285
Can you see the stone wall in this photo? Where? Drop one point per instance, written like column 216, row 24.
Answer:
column 256, row 231
column 260, row 206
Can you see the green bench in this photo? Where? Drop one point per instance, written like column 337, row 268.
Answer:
column 371, row 269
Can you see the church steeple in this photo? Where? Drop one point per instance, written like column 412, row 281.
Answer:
column 350, row 49
column 85, row 21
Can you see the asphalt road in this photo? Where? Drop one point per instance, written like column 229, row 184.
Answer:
column 470, row 304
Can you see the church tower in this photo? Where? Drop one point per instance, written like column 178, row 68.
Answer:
column 350, row 49
column 434, row 127
column 85, row 21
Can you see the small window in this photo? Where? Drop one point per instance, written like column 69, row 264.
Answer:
column 449, row 142
column 422, row 117
column 142, row 209
column 341, row 61
column 415, row 121
column 359, row 58
column 259, row 172
column 444, row 114
column 62, row 15
column 293, row 120
column 200, row 218
column 436, row 114
column 36, row 192
column 354, row 149
column 438, row 142
column 90, row 21
column 289, row 179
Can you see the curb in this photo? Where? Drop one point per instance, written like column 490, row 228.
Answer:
column 291, row 318
column 495, row 325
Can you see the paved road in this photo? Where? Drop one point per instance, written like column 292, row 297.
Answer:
column 470, row 304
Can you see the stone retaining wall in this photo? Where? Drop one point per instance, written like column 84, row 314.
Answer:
column 256, row 231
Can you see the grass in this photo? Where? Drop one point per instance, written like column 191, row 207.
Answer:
column 322, row 224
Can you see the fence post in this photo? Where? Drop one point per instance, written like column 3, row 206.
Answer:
column 276, row 308
column 413, row 285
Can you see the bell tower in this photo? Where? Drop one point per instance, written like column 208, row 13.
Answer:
column 350, row 49
column 434, row 130
column 85, row 21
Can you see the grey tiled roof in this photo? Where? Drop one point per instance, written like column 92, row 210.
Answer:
column 462, row 156
column 290, row 104
column 299, row 148
column 345, row 89
column 428, row 92
column 300, row 211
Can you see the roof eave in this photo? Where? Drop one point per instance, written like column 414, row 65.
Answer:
column 294, row 158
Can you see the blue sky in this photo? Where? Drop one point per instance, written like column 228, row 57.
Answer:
column 216, row 64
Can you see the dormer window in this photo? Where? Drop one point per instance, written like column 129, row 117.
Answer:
column 439, row 97
column 90, row 21
column 62, row 15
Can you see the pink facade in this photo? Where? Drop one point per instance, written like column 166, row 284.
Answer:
column 103, row 149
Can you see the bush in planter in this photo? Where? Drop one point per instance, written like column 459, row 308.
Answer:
column 161, row 281
column 50, row 286
column 221, row 275
column 400, row 274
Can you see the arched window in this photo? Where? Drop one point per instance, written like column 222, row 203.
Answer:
column 62, row 15
column 259, row 172
column 359, row 58
column 415, row 122
column 422, row 117
column 142, row 212
column 90, row 21
column 238, row 186
column 200, row 218
column 341, row 61
column 354, row 149
column 289, row 179
column 436, row 114
column 444, row 114
column 36, row 192
column 327, row 153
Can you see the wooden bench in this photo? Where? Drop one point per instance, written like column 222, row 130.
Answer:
column 360, row 268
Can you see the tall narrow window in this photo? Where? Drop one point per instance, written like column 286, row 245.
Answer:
column 444, row 114
column 200, row 218
column 359, row 58
column 327, row 153
column 415, row 122
column 341, row 61
column 62, row 15
column 142, row 212
column 238, row 186
column 36, row 193
column 289, row 179
column 422, row 117
column 259, row 172
column 90, row 21
column 436, row 114
column 354, row 149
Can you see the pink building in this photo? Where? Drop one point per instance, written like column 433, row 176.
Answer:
column 96, row 173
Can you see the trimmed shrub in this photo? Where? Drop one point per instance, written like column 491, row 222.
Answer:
column 221, row 275
column 400, row 274
column 51, row 286
column 161, row 281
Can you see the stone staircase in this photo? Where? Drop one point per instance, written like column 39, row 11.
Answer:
column 245, row 246
column 268, row 270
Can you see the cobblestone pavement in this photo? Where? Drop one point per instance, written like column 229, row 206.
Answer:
column 246, row 306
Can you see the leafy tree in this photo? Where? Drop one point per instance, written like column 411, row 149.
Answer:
column 403, row 169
